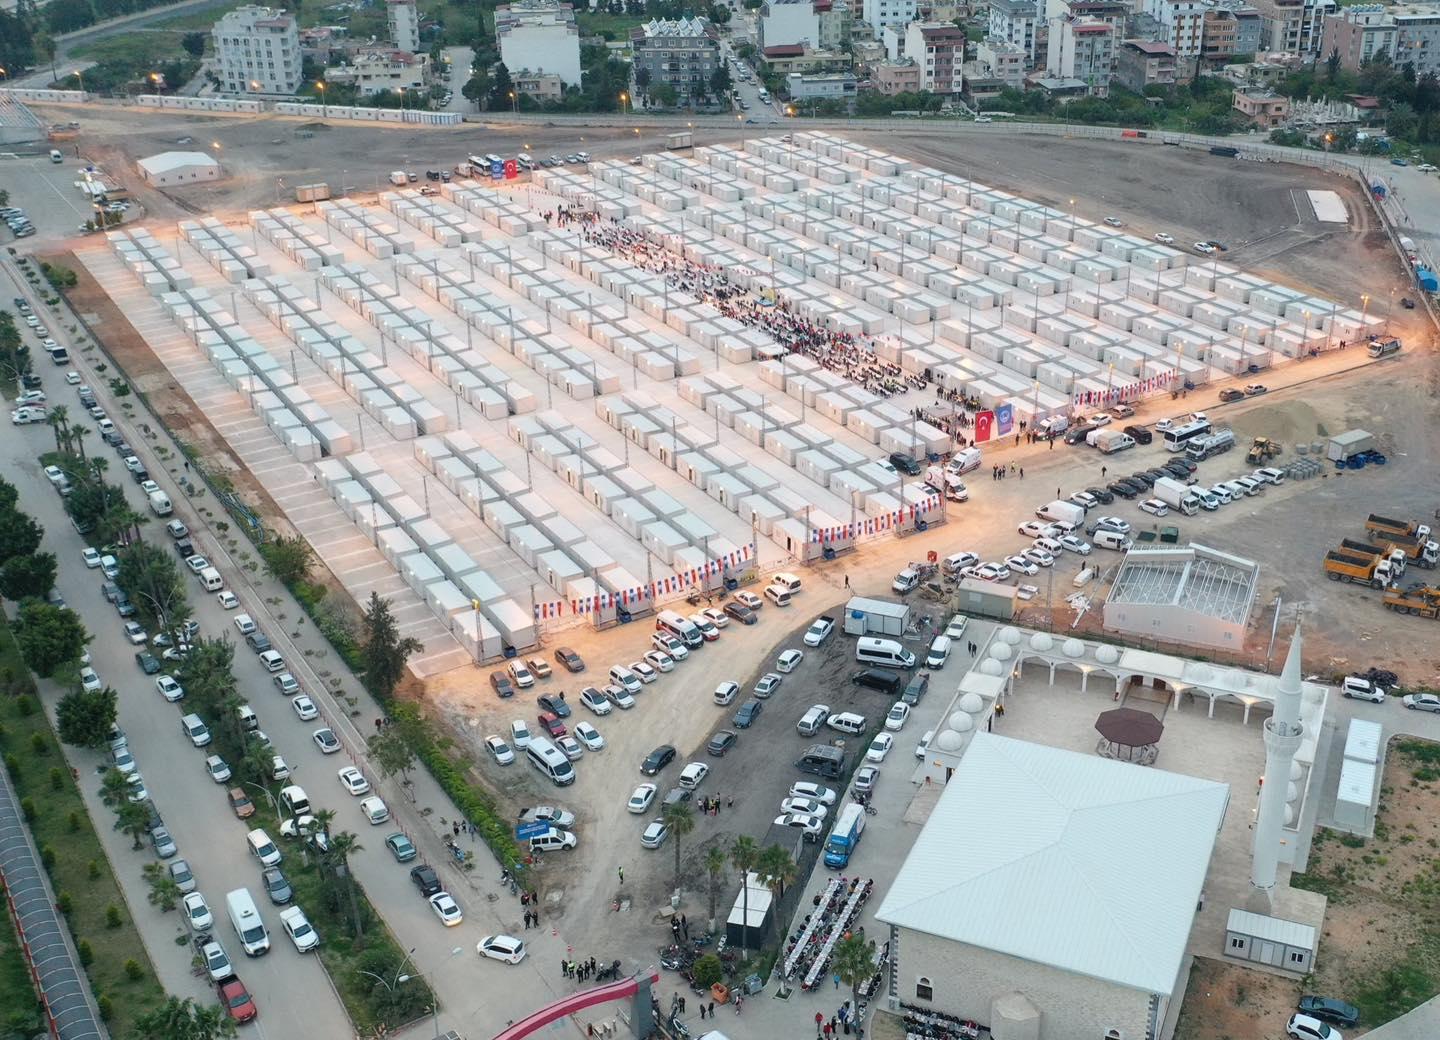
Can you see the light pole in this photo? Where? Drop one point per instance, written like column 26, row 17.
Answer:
column 514, row 103
column 324, row 108
column 269, row 796
column 624, row 98
column 1364, row 307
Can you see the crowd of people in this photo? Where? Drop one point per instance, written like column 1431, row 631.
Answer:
column 808, row 951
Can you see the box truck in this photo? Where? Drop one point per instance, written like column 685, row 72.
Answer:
column 1177, row 496
column 1109, row 441
column 845, row 836
column 1068, row 512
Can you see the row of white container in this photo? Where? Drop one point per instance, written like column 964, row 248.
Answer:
column 695, row 172
column 568, row 560
column 563, row 366
column 492, row 205
column 302, row 244
column 149, row 261
column 200, row 104
column 687, row 173
column 587, row 193
column 235, row 260
column 422, row 117
column 366, row 227
column 657, row 355
column 843, row 150
column 382, row 393
column 462, row 595
column 274, row 394
column 435, row 218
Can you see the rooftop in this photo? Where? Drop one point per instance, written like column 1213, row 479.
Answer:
column 1064, row 859
column 1193, row 577
column 677, row 27
column 164, row 162
column 1150, row 47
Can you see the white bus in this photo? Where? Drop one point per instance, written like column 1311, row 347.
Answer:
column 1178, row 437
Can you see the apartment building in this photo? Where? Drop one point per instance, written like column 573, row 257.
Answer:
column 1082, row 50
column 1228, row 32
column 1144, row 63
column 785, row 22
column 1183, row 22
column 1016, row 23
column 939, row 49
column 681, row 52
column 539, row 37
column 379, row 69
column 1264, row 108
column 1417, row 36
column 1293, row 26
column 895, row 77
column 257, row 51
column 404, row 23
column 888, row 12
column 1358, row 34
column 1003, row 61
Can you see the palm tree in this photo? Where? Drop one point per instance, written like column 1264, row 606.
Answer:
column 342, row 847
column 77, row 439
column 854, row 961
column 715, row 867
column 60, row 420
column 777, row 870
column 114, row 789
column 681, row 821
column 743, row 854
column 179, row 1019
column 134, row 819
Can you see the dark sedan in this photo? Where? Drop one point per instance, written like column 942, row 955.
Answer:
column 657, row 760
column 722, row 742
column 1328, row 1009
column 426, row 880
column 1077, row 433
column 1145, row 480
column 1123, row 489
column 555, row 704
column 1232, row 395
column 502, row 685
column 1141, row 434
column 748, row 713
column 569, row 659
column 740, row 612
column 1100, row 495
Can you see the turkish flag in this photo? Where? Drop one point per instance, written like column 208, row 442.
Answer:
column 984, row 426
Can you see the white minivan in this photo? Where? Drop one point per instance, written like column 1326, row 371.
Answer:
column 939, row 652
column 245, row 919
column 886, row 653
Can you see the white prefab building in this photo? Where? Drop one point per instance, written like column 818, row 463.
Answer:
column 537, row 36
column 1051, row 894
column 1183, row 594
column 257, row 51
column 174, row 168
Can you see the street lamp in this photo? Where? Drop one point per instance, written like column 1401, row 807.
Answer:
column 624, row 97
column 269, row 796
column 324, row 109
column 514, row 103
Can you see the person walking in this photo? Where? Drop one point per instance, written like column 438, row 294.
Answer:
column 621, row 872
column 819, row 1018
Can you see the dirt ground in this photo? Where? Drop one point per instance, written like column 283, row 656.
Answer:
column 1381, row 944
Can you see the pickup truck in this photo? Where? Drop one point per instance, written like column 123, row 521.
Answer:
column 819, row 630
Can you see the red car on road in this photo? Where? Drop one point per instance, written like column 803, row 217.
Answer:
column 236, row 999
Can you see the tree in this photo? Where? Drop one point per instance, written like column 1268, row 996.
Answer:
column 715, row 868
column 133, row 819
column 206, row 674
column 289, row 559
column 178, row 1019
column 392, row 753
column 26, row 576
column 681, row 821
column 720, row 81
column 49, row 636
column 854, row 962
column 9, row 496
column 1401, row 121
column 476, row 87
column 19, row 535
column 84, row 717
column 1332, row 64
column 664, row 94
column 382, row 651
column 194, row 44
column 719, row 14
column 149, row 576
column 115, row 788
column 164, row 890
column 501, row 87
column 642, row 77
column 743, row 855
column 776, row 869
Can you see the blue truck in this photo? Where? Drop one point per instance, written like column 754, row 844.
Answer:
column 845, row 836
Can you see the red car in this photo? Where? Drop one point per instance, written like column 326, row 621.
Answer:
column 551, row 724
column 236, row 999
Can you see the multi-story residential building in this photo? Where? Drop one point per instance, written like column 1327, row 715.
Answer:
column 888, row 12
column 795, row 57
column 539, row 36
column 257, row 51
column 382, row 68
column 835, row 21
column 404, row 22
column 939, row 49
column 892, row 38
column 1002, row 60
column 784, row 22
column 1084, row 50
column 1016, row 23
column 681, row 52
column 1183, row 22
column 1228, row 32
column 832, row 86
column 1264, row 108
column 1144, row 63
column 1358, row 34
column 540, row 85
column 1293, row 26
column 895, row 77
column 1417, row 36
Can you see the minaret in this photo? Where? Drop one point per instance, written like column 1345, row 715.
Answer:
column 1283, row 734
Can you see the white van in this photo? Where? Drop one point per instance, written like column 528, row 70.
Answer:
column 788, row 582
column 210, row 578
column 626, row 679
column 679, row 626
column 248, row 719
column 262, row 848
column 779, row 596
column 55, row 156
column 272, row 660
column 847, row 722
column 550, row 761
column 1111, row 540
column 160, row 503
column 245, row 919
column 939, row 652
column 963, row 461
column 195, row 728
column 886, row 653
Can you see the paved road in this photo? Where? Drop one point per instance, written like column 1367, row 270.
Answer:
column 47, row 941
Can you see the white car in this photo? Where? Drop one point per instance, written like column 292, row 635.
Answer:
column 218, row 769
column 1164, row 424
column 620, row 697
column 1021, row 564
column 589, row 736
column 693, row 775
column 1164, row 238
column 570, row 747
column 1079, row 546
column 655, row 833
column 1111, row 523
column 89, row 680
column 815, row 792
column 520, row 734
column 198, row 917
column 647, row 674
column 660, row 661
column 804, row 807
column 1362, row 689
column 1084, row 499
column 898, row 715
column 750, row 600
column 641, row 798
column 672, row 646
column 923, row 748
column 1101, row 419
column 1220, row 493
column 1307, row 1027
column 789, row 661
column 1037, row 555
column 72, row 378
column 726, row 692
column 1033, row 528
column 227, row 599
column 709, row 631
column 500, row 751
column 716, row 616
column 524, row 678
column 879, row 748
column 135, row 632
column 298, row 927
column 594, row 700
column 1154, row 507
column 168, row 688
column 767, row 684
column 810, row 826
column 304, row 707
column 216, row 962
column 504, row 948
column 1204, row 247
column 956, row 628
column 354, row 781
column 92, row 557
column 1114, row 222
column 446, row 909
column 1026, row 591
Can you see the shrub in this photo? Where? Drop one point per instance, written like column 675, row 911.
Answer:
column 12, row 766
column 708, row 970
column 64, row 903
column 112, row 916
column 39, row 744
column 47, row 857
column 72, row 822
column 107, row 1009
column 133, row 971
column 57, row 779
column 27, row 806
column 93, row 870
column 25, row 705
column 85, row 952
